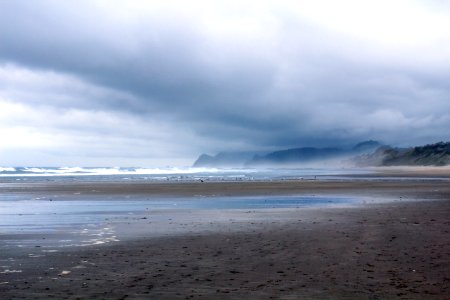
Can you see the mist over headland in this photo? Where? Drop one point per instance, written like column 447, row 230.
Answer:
column 95, row 83
column 364, row 154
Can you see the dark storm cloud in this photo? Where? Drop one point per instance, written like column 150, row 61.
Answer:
column 167, row 67
column 277, row 80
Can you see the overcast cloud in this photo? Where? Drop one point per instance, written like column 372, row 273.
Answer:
column 153, row 83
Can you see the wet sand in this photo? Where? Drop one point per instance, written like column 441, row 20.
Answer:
column 419, row 187
column 394, row 250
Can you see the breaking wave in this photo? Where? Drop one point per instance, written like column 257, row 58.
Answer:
column 74, row 171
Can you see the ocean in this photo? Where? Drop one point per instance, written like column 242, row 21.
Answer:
column 170, row 173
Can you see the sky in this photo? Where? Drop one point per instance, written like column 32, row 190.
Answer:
column 156, row 83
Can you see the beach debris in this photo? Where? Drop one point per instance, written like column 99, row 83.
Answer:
column 64, row 273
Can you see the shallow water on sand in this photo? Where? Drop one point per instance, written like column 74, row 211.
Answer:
column 42, row 215
column 86, row 221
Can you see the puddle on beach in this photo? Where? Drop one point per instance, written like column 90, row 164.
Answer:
column 47, row 225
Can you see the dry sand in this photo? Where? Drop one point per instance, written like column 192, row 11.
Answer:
column 395, row 250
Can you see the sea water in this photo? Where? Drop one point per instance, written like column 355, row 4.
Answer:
column 167, row 174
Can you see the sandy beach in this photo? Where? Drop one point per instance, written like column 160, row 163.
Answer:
column 247, row 150
column 395, row 249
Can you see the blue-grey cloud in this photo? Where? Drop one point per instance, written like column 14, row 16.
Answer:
column 251, row 76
